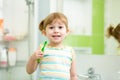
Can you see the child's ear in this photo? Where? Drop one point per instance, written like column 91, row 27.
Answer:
column 68, row 31
column 44, row 32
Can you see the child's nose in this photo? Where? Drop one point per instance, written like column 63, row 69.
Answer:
column 56, row 30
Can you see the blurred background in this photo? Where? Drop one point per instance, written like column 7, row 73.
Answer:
column 97, row 56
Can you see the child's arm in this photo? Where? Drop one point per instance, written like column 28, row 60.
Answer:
column 32, row 62
column 73, row 72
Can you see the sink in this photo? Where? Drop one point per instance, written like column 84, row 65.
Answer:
column 82, row 77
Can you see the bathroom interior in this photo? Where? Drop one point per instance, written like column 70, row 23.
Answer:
column 97, row 57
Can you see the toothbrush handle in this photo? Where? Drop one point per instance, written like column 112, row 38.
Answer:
column 38, row 60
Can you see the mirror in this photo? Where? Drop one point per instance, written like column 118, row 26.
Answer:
column 111, row 18
column 104, row 13
column 99, row 15
column 89, row 20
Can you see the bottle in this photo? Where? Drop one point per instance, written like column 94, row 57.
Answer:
column 1, row 29
column 12, row 56
column 3, row 58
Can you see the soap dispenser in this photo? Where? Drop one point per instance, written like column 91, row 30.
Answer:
column 3, row 57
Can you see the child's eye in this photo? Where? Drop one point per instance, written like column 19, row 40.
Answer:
column 60, row 27
column 51, row 27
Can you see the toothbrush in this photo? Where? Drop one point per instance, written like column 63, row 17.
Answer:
column 43, row 48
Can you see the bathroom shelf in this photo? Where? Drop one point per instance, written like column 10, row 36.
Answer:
column 9, row 38
column 18, row 64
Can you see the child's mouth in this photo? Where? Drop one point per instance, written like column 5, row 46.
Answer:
column 56, row 36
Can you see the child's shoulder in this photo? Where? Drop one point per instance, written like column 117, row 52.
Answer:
column 69, row 47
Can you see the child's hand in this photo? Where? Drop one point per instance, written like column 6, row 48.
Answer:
column 38, row 54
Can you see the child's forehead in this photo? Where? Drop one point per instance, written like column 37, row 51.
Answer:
column 60, row 21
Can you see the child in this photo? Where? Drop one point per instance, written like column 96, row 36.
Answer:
column 115, row 33
column 57, row 62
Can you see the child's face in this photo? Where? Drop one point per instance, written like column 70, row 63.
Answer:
column 56, row 31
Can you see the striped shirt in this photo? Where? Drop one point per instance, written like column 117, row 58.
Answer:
column 56, row 63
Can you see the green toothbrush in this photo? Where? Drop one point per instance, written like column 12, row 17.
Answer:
column 43, row 48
